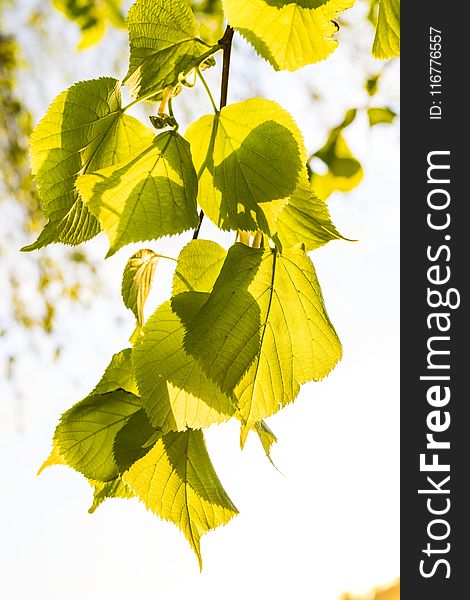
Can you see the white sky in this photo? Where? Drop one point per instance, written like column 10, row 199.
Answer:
column 330, row 522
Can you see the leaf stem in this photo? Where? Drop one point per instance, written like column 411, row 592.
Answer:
column 225, row 42
column 207, row 88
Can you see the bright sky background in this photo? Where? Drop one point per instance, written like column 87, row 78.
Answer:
column 330, row 522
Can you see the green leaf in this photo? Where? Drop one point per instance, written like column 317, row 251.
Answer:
column 137, row 281
column 264, row 330
column 176, row 480
column 109, row 489
column 86, row 432
column 198, row 267
column 379, row 115
column 131, row 442
column 83, row 130
column 266, row 437
column 119, row 375
column 248, row 158
column 164, row 43
column 344, row 170
column 149, row 195
column 175, row 392
column 305, row 219
column 387, row 35
column 288, row 33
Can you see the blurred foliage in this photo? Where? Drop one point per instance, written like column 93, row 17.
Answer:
column 30, row 297
column 92, row 16
column 386, row 593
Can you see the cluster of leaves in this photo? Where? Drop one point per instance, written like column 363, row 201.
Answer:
column 244, row 327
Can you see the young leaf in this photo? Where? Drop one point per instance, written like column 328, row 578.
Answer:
column 83, row 130
column 175, row 392
column 305, row 219
column 137, row 281
column 109, row 489
column 344, row 170
column 266, row 437
column 288, row 33
column 264, row 330
column 387, row 35
column 85, row 434
column 379, row 115
column 248, row 158
column 176, row 480
column 148, row 196
column 164, row 42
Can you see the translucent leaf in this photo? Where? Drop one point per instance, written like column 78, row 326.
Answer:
column 149, row 195
column 137, row 281
column 83, row 130
column 379, row 115
column 176, row 394
column 119, row 375
column 109, row 489
column 198, row 267
column 248, row 158
column 163, row 43
column 266, row 437
column 288, row 33
column 176, row 480
column 132, row 441
column 305, row 219
column 85, row 434
column 264, row 330
column 387, row 35
column 344, row 170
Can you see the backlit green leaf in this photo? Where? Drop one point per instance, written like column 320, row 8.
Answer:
column 176, row 394
column 163, row 43
column 109, row 489
column 137, row 281
column 83, row 130
column 266, row 437
column 176, row 480
column 149, row 195
column 305, row 219
column 198, row 267
column 288, row 33
column 387, row 35
column 248, row 158
column 119, row 375
column 132, row 441
column 264, row 330
column 86, row 432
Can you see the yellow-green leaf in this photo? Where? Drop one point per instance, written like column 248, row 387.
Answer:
column 176, row 480
column 164, row 43
column 109, row 489
column 264, row 330
column 305, row 220
column 288, row 33
column 83, row 130
column 387, row 35
column 248, row 158
column 176, row 394
column 148, row 196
